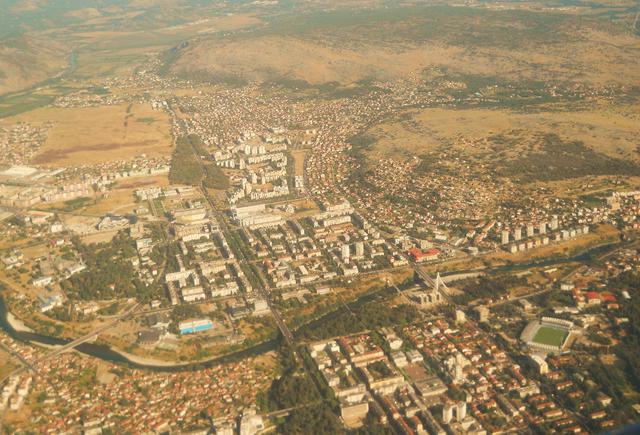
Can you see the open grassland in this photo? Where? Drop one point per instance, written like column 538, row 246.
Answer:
column 34, row 251
column 101, row 237
column 547, row 145
column 23, row 101
column 106, row 42
column 25, row 61
column 118, row 201
column 112, row 52
column 593, row 189
column 95, row 135
column 606, row 129
column 277, row 59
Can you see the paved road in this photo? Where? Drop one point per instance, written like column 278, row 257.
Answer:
column 264, row 289
column 442, row 287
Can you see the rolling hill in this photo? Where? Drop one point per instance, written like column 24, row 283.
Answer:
column 349, row 46
column 25, row 61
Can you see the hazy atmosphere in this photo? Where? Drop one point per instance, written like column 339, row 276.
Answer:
column 319, row 216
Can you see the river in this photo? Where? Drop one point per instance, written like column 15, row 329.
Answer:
column 107, row 354
column 582, row 257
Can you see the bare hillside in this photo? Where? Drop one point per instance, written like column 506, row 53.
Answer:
column 342, row 48
column 26, row 61
column 274, row 58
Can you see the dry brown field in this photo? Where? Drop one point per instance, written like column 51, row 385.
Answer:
column 298, row 157
column 121, row 199
column 608, row 129
column 94, row 135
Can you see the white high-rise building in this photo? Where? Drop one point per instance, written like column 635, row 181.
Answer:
column 543, row 228
column 359, row 249
column 458, row 373
column 447, row 413
column 461, row 411
column 517, row 234
column 346, row 252
column 530, row 230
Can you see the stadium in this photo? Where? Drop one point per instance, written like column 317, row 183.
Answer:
column 548, row 334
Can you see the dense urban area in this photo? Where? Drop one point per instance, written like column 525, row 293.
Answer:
column 184, row 251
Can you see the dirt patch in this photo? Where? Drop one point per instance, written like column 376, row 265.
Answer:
column 298, row 157
column 55, row 155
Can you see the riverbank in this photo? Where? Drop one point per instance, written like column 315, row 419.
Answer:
column 19, row 331
column 17, row 324
column 153, row 363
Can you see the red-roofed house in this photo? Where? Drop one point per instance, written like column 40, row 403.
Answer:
column 593, row 298
column 419, row 256
column 608, row 297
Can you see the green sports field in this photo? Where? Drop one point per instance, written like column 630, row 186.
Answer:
column 550, row 336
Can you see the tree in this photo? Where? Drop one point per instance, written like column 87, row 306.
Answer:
column 317, row 420
column 186, row 167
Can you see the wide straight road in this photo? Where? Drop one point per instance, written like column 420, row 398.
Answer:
column 263, row 289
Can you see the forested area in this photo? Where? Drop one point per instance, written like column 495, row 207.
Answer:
column 215, row 178
column 187, row 167
column 108, row 273
column 488, row 287
column 369, row 316
column 295, row 389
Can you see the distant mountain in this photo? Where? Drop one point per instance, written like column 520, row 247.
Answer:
column 348, row 46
